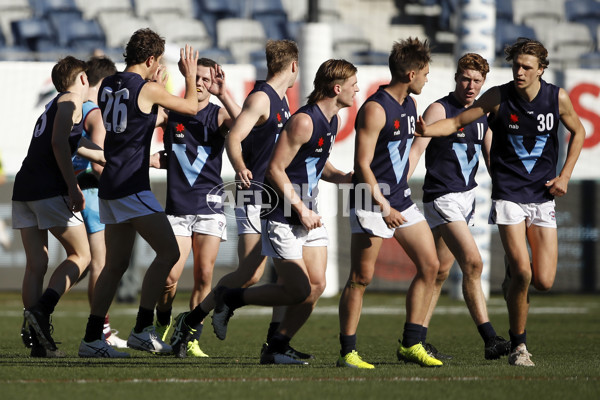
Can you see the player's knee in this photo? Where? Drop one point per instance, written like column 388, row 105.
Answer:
column 522, row 279
column 317, row 289
column 171, row 283
column 542, row 284
column 430, row 270
column 253, row 279
column 358, row 283
column 169, row 256
column 473, row 268
column 300, row 292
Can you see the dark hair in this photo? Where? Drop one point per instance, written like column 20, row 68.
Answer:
column 99, row 68
column 143, row 43
column 474, row 62
column 206, row 62
column 280, row 53
column 408, row 55
column 530, row 47
column 329, row 74
column 65, row 72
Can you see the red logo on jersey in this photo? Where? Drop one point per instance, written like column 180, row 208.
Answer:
column 179, row 128
column 278, row 117
column 461, row 129
column 396, row 124
column 321, row 141
column 514, row 118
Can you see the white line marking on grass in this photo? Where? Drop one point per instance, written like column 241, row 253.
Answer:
column 296, row 379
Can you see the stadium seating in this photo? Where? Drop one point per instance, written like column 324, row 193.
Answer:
column 241, row 37
column 118, row 19
column 91, row 9
column 181, row 31
column 272, row 16
column 81, row 35
column 504, row 11
column 550, row 11
column 348, row 39
column 210, row 11
column 146, row 8
column 12, row 10
column 42, row 8
column 119, row 27
column 569, row 41
column 508, row 33
column 34, row 34
column 584, row 12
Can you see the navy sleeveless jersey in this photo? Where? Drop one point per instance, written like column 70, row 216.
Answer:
column 390, row 160
column 452, row 161
column 128, row 136
column 40, row 177
column 194, row 147
column 305, row 169
column 258, row 145
column 524, row 152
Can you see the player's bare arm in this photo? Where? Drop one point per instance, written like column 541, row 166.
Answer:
column 230, row 110
column 94, row 126
column 370, row 123
column 489, row 102
column 155, row 92
column 91, row 151
column 334, row 175
column 487, row 145
column 67, row 114
column 297, row 131
column 570, row 119
column 433, row 113
column 255, row 111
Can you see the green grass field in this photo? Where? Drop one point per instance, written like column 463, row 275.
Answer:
column 563, row 336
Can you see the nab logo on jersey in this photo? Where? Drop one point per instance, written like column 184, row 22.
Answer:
column 179, row 128
column 320, row 143
column 461, row 132
column 397, row 127
column 279, row 123
column 513, row 119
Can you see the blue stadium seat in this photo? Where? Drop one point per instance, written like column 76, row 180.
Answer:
column 504, row 11
column 508, row 33
column 34, row 34
column 210, row 11
column 220, row 56
column 585, row 12
column 81, row 35
column 272, row 16
column 42, row 8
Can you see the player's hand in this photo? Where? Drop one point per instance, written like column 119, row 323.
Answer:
column 557, row 186
column 244, row 177
column 156, row 159
column 348, row 177
column 188, row 61
column 310, row 219
column 76, row 199
column 217, row 78
column 394, row 218
column 420, row 127
column 161, row 76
